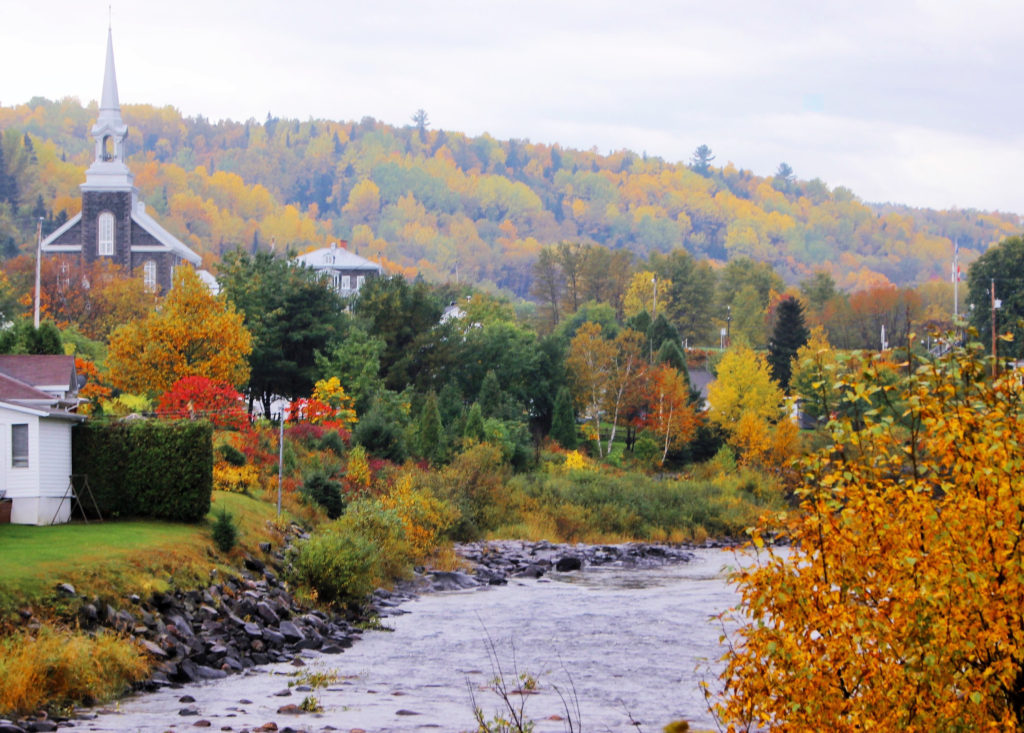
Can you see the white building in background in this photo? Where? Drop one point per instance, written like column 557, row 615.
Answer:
column 347, row 271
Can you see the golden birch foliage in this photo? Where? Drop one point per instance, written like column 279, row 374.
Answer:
column 645, row 293
column 192, row 333
column 744, row 384
column 898, row 604
column 590, row 364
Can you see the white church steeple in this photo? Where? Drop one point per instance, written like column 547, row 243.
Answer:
column 108, row 171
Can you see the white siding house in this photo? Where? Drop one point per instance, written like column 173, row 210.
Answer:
column 37, row 396
column 346, row 271
column 35, row 462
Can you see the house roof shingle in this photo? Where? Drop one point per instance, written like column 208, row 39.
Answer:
column 37, row 370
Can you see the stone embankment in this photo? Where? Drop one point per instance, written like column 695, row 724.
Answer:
column 251, row 619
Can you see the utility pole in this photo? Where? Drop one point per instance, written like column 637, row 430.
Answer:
column 39, row 265
column 956, row 279
column 280, row 462
column 995, row 304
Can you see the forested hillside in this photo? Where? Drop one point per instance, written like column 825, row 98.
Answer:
column 477, row 209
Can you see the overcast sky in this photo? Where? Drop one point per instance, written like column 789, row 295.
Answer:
column 919, row 103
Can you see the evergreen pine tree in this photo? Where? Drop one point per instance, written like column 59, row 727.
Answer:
column 789, row 335
column 431, row 432
column 450, row 404
column 672, row 354
column 490, row 397
column 474, row 424
column 661, row 331
column 563, row 421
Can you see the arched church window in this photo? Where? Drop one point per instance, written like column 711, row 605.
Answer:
column 149, row 275
column 105, row 234
column 108, row 147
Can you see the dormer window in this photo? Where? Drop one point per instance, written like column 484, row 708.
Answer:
column 105, row 234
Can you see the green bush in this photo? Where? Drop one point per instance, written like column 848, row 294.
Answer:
column 147, row 468
column 231, row 454
column 332, row 441
column 352, row 556
column 319, row 489
column 225, row 533
column 342, row 568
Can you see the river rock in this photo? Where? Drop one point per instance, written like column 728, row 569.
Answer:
column 568, row 563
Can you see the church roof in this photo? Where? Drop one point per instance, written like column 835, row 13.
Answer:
column 109, row 103
column 151, row 225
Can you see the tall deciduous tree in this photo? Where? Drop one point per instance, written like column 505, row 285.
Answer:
column 590, row 365
column 789, row 335
column 1001, row 266
column 670, row 415
column 292, row 313
column 896, row 604
column 744, row 384
column 193, row 333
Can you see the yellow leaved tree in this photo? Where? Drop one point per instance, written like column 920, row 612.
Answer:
column 897, row 605
column 747, row 403
column 191, row 333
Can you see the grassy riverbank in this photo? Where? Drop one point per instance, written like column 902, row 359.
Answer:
column 45, row 661
column 120, row 557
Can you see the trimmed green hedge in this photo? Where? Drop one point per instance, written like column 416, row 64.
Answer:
column 147, row 468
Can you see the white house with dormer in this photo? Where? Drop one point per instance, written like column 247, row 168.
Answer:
column 346, row 271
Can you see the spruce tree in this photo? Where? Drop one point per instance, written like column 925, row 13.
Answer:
column 490, row 398
column 431, row 432
column 474, row 424
column 789, row 335
column 563, row 421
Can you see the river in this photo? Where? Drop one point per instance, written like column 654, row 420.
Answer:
column 620, row 649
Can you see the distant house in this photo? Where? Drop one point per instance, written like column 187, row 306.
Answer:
column 346, row 271
column 113, row 224
column 37, row 396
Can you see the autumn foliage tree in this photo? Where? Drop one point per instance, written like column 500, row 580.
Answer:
column 197, row 397
column 670, row 413
column 896, row 605
column 192, row 333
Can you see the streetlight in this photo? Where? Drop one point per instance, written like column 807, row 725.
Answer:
column 728, row 325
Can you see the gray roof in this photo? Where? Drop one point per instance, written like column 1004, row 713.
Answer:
column 337, row 258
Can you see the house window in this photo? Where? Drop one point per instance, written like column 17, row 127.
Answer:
column 149, row 275
column 19, row 445
column 346, row 282
column 360, row 279
column 106, row 234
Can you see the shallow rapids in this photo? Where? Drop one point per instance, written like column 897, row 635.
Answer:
column 612, row 649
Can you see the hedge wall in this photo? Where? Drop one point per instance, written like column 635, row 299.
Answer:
column 147, row 468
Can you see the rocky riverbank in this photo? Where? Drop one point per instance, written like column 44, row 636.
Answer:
column 251, row 619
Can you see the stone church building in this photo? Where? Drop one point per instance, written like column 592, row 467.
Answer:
column 113, row 223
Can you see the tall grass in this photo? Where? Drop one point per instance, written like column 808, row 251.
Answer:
column 62, row 668
column 606, row 506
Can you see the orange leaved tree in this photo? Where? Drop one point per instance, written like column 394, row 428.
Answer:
column 898, row 604
column 192, row 333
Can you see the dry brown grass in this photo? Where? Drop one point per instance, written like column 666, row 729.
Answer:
column 60, row 668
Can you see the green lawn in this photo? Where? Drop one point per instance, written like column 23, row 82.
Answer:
column 100, row 557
